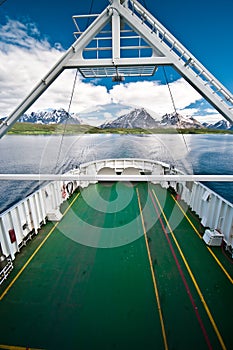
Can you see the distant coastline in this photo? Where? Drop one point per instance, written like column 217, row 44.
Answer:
column 73, row 129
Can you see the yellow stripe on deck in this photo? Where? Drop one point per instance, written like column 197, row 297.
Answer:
column 192, row 276
column 210, row 251
column 36, row 251
column 153, row 276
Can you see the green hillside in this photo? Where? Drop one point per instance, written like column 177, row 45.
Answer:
column 73, row 129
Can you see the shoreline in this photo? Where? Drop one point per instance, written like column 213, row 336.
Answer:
column 74, row 129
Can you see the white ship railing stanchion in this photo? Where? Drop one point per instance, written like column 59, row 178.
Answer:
column 6, row 270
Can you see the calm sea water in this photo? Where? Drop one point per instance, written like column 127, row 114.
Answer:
column 194, row 154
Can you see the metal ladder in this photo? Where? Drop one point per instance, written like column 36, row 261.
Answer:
column 182, row 55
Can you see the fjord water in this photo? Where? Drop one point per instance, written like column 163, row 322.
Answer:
column 194, row 154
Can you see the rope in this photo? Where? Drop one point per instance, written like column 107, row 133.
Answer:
column 72, row 93
column 174, row 106
column 168, row 85
column 64, row 130
column 90, row 11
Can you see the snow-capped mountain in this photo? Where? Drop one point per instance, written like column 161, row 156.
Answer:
column 219, row 125
column 50, row 116
column 178, row 121
column 137, row 118
column 140, row 118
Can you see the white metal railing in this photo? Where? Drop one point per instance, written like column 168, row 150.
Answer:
column 6, row 270
column 95, row 177
column 199, row 71
column 78, row 17
column 27, row 216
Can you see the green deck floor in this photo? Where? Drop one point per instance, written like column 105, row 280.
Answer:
column 90, row 285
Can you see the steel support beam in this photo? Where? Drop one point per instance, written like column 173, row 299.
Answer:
column 116, row 30
column 121, row 62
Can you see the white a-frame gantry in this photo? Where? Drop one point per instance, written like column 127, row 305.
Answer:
column 126, row 40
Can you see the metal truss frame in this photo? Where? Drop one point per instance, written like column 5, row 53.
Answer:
column 151, row 35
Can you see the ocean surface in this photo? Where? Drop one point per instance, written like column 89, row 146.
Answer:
column 194, row 154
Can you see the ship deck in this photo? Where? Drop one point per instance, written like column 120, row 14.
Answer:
column 125, row 268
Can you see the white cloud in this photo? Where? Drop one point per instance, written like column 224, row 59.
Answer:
column 85, row 95
column 183, row 93
column 22, row 35
column 108, row 116
column 156, row 97
column 209, row 110
column 92, row 109
column 91, row 121
column 189, row 111
column 123, row 111
column 24, row 61
column 89, row 95
column 210, row 118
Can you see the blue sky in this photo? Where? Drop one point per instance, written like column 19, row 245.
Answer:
column 33, row 36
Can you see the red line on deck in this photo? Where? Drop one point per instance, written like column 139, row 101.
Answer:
column 182, row 275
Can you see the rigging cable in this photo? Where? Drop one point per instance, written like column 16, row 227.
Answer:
column 168, row 85
column 64, row 130
column 174, row 106
column 90, row 11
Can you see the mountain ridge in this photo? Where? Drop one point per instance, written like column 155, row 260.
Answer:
column 140, row 118
column 137, row 118
column 50, row 116
column 219, row 125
